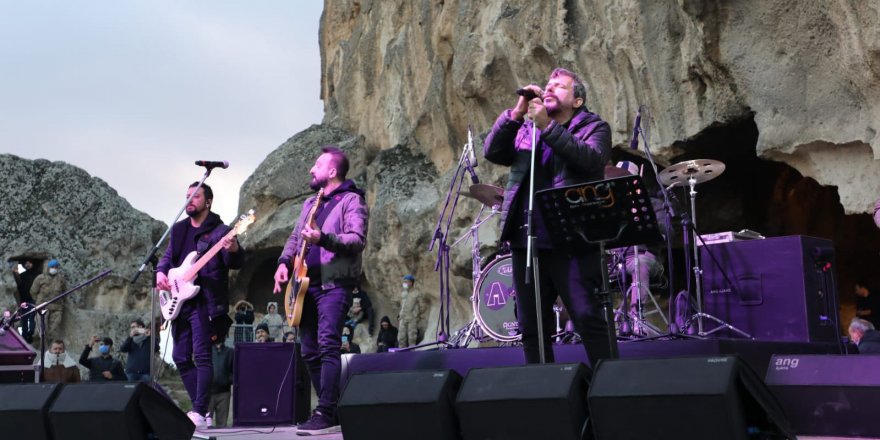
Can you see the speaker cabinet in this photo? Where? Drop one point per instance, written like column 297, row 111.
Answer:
column 116, row 410
column 828, row 395
column 400, row 405
column 717, row 398
column 24, row 410
column 776, row 289
column 525, row 402
column 270, row 385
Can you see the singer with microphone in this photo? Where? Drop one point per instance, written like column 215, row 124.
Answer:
column 573, row 146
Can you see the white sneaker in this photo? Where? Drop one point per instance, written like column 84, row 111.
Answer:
column 209, row 421
column 197, row 419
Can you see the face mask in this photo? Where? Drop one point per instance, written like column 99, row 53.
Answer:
column 53, row 271
column 104, row 349
column 405, row 286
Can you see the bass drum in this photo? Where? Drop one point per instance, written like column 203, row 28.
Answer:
column 495, row 301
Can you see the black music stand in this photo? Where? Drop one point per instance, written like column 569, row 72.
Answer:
column 616, row 211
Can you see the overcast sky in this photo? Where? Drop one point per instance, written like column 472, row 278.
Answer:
column 135, row 92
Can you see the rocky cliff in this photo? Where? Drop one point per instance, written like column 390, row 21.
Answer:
column 53, row 210
column 797, row 80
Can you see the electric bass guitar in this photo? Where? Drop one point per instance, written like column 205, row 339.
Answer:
column 298, row 284
column 181, row 278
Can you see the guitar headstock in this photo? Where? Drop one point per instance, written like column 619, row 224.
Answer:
column 244, row 221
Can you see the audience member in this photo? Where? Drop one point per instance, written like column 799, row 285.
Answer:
column 244, row 321
column 387, row 335
column 274, row 321
column 23, row 282
column 47, row 286
column 102, row 368
column 221, row 386
column 367, row 306
column 262, row 334
column 58, row 367
column 863, row 334
column 355, row 313
column 289, row 337
column 867, row 304
column 137, row 366
column 348, row 345
column 410, row 313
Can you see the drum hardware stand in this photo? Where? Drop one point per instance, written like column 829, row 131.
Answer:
column 640, row 322
column 690, row 227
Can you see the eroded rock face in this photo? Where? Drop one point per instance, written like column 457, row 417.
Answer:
column 56, row 210
column 808, row 71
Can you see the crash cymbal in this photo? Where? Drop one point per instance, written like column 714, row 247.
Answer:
column 702, row 170
column 487, row 194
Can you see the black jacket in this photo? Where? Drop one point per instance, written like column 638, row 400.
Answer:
column 214, row 276
column 100, row 364
column 579, row 154
column 138, row 355
column 222, row 361
column 870, row 342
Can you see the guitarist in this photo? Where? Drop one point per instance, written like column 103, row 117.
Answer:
column 206, row 315
column 333, row 258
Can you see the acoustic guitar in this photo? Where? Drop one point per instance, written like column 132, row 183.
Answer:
column 298, row 284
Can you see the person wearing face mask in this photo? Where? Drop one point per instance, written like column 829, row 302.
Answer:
column 274, row 321
column 410, row 313
column 58, row 367
column 104, row 367
column 47, row 286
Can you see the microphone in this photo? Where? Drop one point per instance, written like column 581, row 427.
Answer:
column 634, row 143
column 471, row 145
column 529, row 94
column 213, row 163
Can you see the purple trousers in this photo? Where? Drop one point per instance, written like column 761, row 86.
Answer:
column 574, row 279
column 192, row 351
column 324, row 314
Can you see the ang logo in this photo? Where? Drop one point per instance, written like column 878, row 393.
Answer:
column 600, row 194
column 786, row 363
column 497, row 295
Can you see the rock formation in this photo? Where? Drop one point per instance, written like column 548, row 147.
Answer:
column 402, row 80
column 55, row 210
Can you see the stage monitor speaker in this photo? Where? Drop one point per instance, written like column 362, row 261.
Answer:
column 24, row 410
column 118, row 411
column 400, row 405
column 270, row 385
column 524, row 402
column 691, row 398
column 828, row 395
column 776, row 289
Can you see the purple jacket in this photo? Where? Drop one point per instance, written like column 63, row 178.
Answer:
column 580, row 152
column 343, row 237
column 214, row 277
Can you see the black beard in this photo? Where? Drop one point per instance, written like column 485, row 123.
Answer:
column 194, row 213
column 316, row 184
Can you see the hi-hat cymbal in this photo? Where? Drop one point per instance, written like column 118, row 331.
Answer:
column 701, row 170
column 488, row 195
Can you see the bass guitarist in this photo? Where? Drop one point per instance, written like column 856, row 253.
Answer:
column 206, row 315
column 333, row 259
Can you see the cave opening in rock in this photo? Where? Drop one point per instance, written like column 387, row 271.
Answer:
column 773, row 199
column 254, row 283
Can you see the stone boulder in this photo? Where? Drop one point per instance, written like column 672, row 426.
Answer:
column 56, row 210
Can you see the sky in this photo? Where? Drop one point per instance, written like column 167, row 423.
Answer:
column 135, row 92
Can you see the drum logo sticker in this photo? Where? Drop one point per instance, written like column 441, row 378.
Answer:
column 497, row 295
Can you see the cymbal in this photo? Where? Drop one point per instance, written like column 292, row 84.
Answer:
column 701, row 170
column 488, row 195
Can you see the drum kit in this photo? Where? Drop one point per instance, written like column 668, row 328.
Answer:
column 494, row 297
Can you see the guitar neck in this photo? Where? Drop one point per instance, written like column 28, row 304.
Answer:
column 193, row 271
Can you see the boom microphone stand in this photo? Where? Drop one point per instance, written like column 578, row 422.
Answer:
column 153, row 261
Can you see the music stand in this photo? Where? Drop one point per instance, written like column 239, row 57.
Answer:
column 616, row 211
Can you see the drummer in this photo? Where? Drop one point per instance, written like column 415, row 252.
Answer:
column 649, row 267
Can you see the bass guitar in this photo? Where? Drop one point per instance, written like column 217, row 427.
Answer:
column 295, row 293
column 182, row 278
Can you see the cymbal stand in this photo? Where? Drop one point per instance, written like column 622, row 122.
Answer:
column 639, row 321
column 698, row 274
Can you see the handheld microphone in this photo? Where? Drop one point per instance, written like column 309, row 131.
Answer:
column 634, row 143
column 213, row 163
column 529, row 94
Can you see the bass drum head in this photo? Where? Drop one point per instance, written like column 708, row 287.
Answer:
column 495, row 301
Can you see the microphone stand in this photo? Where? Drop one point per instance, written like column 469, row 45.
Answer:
column 441, row 234
column 153, row 261
column 41, row 310
column 532, row 267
